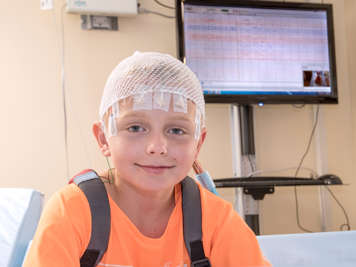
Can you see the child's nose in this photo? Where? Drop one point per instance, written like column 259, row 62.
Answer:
column 157, row 144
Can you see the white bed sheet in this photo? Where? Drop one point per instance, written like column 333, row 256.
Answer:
column 324, row 249
column 20, row 210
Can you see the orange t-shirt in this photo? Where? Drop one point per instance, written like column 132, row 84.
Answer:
column 65, row 226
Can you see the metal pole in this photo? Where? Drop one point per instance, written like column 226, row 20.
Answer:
column 322, row 167
column 244, row 161
column 236, row 156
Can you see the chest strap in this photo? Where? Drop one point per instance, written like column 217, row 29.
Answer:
column 94, row 190
column 192, row 223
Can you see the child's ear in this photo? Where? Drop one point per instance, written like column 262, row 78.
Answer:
column 101, row 139
column 201, row 141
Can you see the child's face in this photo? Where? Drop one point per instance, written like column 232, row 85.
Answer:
column 154, row 149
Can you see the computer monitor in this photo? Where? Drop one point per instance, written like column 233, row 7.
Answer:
column 251, row 52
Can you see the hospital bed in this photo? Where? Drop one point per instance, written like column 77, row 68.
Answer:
column 324, row 249
column 20, row 210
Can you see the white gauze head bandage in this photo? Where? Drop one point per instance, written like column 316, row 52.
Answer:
column 153, row 80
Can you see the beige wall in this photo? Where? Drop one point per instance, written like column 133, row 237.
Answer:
column 31, row 114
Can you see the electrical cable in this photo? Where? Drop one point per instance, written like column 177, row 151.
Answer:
column 297, row 212
column 251, row 161
column 347, row 224
column 142, row 10
column 310, row 141
column 62, row 79
column 164, row 5
column 61, row 45
column 298, row 168
column 300, row 106
column 74, row 115
column 312, row 172
column 110, row 178
column 64, row 92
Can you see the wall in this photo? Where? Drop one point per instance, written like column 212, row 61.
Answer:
column 32, row 132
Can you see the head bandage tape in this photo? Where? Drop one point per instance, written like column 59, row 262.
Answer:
column 154, row 81
column 112, row 128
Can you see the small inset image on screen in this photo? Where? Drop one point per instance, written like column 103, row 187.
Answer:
column 316, row 78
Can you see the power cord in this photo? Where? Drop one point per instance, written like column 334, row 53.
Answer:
column 63, row 87
column 298, row 168
column 311, row 171
column 142, row 10
column 309, row 142
column 347, row 224
column 299, row 106
column 164, row 5
column 60, row 34
column 342, row 226
column 252, row 163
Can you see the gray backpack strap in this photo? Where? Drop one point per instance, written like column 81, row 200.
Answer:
column 94, row 190
column 192, row 223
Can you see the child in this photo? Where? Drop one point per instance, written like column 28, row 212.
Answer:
column 152, row 126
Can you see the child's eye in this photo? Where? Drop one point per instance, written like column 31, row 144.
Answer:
column 135, row 129
column 176, row 131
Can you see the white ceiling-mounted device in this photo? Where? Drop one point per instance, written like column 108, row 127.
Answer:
column 120, row 8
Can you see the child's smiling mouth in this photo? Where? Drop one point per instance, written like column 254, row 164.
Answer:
column 154, row 169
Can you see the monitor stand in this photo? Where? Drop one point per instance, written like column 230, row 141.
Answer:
column 248, row 190
column 244, row 161
column 248, row 164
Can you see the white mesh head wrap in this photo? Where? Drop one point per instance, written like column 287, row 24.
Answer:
column 153, row 80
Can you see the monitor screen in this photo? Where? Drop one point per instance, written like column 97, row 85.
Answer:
column 259, row 52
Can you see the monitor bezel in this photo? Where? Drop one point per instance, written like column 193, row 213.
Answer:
column 331, row 98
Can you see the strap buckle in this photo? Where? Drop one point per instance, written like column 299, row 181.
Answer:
column 201, row 263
